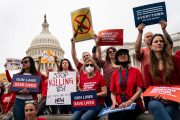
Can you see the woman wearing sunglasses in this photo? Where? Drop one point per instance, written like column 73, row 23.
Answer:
column 30, row 110
column 108, row 65
column 28, row 68
column 126, row 88
column 91, row 79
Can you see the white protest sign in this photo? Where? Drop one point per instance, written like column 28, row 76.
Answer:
column 13, row 64
column 60, row 86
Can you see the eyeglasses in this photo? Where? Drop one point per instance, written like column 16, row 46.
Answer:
column 113, row 51
column 91, row 65
column 24, row 62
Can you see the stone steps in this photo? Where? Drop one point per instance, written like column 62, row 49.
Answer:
column 143, row 116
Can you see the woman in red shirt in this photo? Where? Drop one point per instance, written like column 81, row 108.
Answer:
column 164, row 69
column 108, row 66
column 126, row 87
column 91, row 79
column 7, row 102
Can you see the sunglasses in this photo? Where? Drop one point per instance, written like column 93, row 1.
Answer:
column 110, row 52
column 91, row 65
column 24, row 62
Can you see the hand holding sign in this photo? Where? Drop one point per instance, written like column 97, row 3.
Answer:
column 164, row 92
column 82, row 24
column 150, row 14
column 110, row 37
column 24, row 91
column 163, row 24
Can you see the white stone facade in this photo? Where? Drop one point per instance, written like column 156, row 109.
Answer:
column 42, row 42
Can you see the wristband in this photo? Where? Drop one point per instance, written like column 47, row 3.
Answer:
column 94, row 50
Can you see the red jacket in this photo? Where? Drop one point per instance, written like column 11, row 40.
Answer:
column 34, row 95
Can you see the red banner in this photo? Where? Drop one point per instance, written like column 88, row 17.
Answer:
column 167, row 92
column 110, row 37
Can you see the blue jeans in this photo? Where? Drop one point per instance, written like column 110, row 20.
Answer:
column 161, row 111
column 18, row 109
column 87, row 115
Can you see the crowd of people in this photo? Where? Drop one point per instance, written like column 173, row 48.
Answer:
column 116, row 82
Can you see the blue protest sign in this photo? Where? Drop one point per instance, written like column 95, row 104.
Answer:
column 108, row 110
column 85, row 100
column 30, row 82
column 150, row 14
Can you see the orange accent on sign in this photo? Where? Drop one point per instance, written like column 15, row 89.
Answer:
column 166, row 92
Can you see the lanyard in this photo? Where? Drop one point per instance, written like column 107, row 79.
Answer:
column 123, row 86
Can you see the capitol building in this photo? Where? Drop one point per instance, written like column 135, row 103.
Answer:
column 46, row 41
column 42, row 42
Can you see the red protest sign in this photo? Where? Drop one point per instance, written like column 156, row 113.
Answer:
column 167, row 92
column 110, row 37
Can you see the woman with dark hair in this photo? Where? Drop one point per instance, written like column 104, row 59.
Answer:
column 126, row 88
column 28, row 68
column 30, row 110
column 107, row 65
column 164, row 69
column 65, row 65
column 91, row 79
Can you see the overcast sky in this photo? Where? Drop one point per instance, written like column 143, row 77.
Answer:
column 21, row 20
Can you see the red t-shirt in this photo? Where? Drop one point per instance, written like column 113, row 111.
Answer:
column 44, row 88
column 175, row 77
column 7, row 99
column 134, row 80
column 177, row 53
column 94, row 83
column 144, row 59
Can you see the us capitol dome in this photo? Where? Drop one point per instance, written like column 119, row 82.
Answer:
column 42, row 42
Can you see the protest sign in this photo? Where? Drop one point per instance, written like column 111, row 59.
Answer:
column 13, row 64
column 108, row 110
column 47, row 57
column 85, row 100
column 110, row 37
column 60, row 85
column 3, row 78
column 30, row 82
column 167, row 92
column 82, row 24
column 150, row 14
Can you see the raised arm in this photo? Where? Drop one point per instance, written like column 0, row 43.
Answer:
column 73, row 52
column 56, row 62
column 96, row 52
column 139, row 40
column 166, row 34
